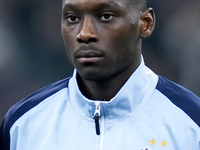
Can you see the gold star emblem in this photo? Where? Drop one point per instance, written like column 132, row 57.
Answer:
column 163, row 143
column 152, row 142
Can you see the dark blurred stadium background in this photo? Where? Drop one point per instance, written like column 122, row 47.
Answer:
column 32, row 53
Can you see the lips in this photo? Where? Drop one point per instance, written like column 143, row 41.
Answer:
column 89, row 56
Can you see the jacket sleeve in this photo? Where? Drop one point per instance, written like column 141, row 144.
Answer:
column 4, row 135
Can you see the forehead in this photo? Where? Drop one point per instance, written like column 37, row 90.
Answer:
column 91, row 4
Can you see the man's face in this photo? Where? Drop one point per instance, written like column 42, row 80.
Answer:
column 101, row 36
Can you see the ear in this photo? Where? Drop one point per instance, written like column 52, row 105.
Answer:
column 147, row 23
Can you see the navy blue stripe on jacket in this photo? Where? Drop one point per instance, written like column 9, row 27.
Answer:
column 181, row 97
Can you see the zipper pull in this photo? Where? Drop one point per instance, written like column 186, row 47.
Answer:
column 96, row 117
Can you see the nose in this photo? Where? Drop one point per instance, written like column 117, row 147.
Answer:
column 87, row 31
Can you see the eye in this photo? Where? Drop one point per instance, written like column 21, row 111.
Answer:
column 106, row 17
column 71, row 18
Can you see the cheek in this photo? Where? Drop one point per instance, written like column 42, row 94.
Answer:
column 124, row 45
column 124, row 40
column 124, row 33
column 68, row 39
column 69, row 34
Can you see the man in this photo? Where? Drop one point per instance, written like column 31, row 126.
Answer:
column 112, row 101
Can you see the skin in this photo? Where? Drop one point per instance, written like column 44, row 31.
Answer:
column 103, row 41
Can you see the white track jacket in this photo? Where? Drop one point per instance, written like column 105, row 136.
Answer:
column 148, row 113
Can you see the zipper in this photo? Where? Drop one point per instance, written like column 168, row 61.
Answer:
column 97, row 116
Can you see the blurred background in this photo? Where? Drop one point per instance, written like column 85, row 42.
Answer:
column 32, row 53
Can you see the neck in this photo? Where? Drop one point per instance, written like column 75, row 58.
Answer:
column 100, row 90
column 104, row 90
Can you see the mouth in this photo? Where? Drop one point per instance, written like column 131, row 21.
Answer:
column 89, row 56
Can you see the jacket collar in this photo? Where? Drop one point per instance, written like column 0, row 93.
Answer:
column 129, row 100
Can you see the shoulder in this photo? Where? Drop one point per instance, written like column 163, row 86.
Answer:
column 181, row 97
column 31, row 101
column 26, row 104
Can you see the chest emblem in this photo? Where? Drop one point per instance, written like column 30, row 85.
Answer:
column 162, row 143
column 154, row 143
